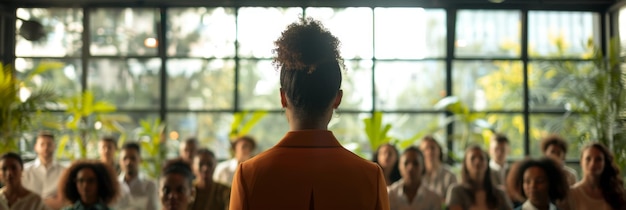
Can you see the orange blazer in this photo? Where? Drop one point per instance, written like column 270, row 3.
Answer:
column 308, row 170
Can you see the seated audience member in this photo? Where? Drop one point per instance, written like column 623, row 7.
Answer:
column 601, row 187
column 555, row 147
column 209, row 194
column 243, row 148
column 541, row 182
column 499, row 150
column 42, row 175
column 13, row 196
column 387, row 158
column 438, row 177
column 187, row 149
column 477, row 190
column 409, row 192
column 143, row 192
column 107, row 147
column 176, row 188
column 89, row 184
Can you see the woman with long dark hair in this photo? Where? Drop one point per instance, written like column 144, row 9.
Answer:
column 476, row 191
column 387, row 158
column 601, row 187
column 308, row 168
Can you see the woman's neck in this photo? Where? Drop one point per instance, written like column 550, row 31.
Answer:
column 204, row 184
column 432, row 166
column 10, row 190
column 298, row 125
column 593, row 182
column 89, row 202
column 542, row 204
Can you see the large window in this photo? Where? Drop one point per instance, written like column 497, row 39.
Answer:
column 195, row 67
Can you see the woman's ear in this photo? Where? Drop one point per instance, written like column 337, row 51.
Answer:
column 338, row 99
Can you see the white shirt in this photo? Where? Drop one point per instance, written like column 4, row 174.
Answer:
column 425, row 199
column 500, row 171
column 42, row 180
column 225, row 171
column 529, row 206
column 440, row 181
column 31, row 201
column 143, row 193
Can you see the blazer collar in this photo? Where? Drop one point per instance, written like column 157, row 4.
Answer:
column 309, row 138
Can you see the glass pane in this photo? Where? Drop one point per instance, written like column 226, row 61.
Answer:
column 467, row 133
column 62, row 76
column 124, row 31
column 425, row 38
column 409, row 85
column 131, row 83
column 357, row 85
column 349, row 130
column 573, row 128
column 200, row 84
column 270, row 130
column 561, row 34
column 560, row 85
column 259, row 27
column 211, row 129
column 63, row 28
column 489, row 85
column 259, row 85
column 201, row 32
column 488, row 33
column 352, row 26
column 622, row 30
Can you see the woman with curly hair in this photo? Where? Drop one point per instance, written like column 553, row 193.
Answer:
column 601, row 187
column 89, row 184
column 308, row 168
column 13, row 196
column 387, row 158
column 476, row 191
column 540, row 182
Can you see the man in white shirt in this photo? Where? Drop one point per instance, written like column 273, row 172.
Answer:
column 555, row 147
column 498, row 151
column 243, row 148
column 143, row 192
column 42, row 175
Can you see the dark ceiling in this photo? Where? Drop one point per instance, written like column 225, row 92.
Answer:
column 597, row 5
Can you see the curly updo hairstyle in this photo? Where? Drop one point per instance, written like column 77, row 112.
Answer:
column 307, row 56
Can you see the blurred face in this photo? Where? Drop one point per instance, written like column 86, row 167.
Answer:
column 411, row 166
column 476, row 163
column 592, row 162
column 535, row 185
column 106, row 149
column 387, row 156
column 129, row 161
column 430, row 150
column 87, row 185
column 499, row 151
column 187, row 150
column 44, row 147
column 10, row 172
column 203, row 166
column 555, row 152
column 175, row 192
column 243, row 150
